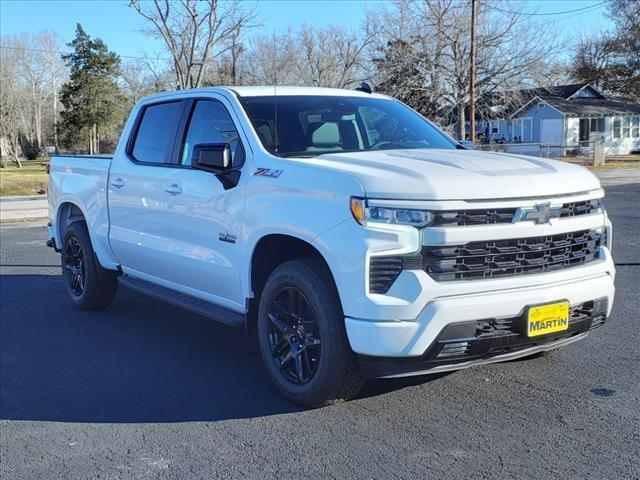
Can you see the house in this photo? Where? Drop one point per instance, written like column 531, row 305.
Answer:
column 563, row 115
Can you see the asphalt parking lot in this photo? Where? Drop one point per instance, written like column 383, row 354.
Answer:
column 147, row 391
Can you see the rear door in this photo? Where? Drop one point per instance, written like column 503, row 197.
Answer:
column 139, row 195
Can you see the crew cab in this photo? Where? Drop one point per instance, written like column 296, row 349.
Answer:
column 350, row 234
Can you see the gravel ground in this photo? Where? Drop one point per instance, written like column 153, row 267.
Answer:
column 146, row 391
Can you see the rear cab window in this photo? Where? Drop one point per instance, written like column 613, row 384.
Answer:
column 155, row 132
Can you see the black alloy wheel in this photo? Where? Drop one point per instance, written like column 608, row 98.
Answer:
column 294, row 335
column 302, row 335
column 89, row 286
column 74, row 266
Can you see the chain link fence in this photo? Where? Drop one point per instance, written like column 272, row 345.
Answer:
column 585, row 152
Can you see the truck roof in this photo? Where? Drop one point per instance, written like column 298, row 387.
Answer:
column 265, row 91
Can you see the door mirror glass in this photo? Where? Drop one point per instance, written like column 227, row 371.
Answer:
column 213, row 157
column 467, row 144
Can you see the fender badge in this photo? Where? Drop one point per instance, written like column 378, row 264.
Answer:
column 267, row 172
column 227, row 237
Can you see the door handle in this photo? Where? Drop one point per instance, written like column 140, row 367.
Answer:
column 173, row 189
column 117, row 183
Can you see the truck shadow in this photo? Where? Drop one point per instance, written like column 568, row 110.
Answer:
column 139, row 361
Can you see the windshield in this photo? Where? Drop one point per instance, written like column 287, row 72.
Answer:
column 314, row 125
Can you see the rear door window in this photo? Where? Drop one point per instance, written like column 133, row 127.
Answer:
column 156, row 132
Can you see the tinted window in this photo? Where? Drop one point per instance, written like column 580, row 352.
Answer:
column 211, row 123
column 312, row 125
column 156, row 132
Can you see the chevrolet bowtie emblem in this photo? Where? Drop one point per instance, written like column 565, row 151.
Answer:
column 539, row 213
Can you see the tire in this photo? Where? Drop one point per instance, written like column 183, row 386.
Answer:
column 330, row 372
column 89, row 286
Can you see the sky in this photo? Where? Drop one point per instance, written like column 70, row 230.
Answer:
column 122, row 28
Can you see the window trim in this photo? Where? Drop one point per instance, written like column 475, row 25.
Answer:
column 613, row 128
column 635, row 127
column 185, row 123
column 136, row 127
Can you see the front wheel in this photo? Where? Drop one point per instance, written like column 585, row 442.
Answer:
column 302, row 336
column 90, row 287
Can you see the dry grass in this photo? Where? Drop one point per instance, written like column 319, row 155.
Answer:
column 617, row 165
column 31, row 179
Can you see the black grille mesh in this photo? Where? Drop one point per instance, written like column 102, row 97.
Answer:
column 593, row 310
column 493, row 259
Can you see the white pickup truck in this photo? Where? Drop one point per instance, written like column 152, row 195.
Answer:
column 350, row 234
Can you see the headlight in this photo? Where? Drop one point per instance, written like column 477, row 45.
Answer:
column 365, row 214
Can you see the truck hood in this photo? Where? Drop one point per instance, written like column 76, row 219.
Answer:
column 436, row 174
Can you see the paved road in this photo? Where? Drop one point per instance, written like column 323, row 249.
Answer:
column 146, row 391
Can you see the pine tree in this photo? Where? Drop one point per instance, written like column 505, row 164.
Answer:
column 91, row 97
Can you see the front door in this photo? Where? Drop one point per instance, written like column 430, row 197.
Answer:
column 206, row 218
column 172, row 224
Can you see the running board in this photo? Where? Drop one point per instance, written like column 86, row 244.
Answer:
column 182, row 300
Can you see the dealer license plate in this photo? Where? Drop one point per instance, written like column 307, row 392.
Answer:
column 549, row 318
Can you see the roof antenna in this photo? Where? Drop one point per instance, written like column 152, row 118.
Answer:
column 275, row 94
column 364, row 87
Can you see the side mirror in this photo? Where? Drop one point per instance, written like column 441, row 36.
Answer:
column 467, row 144
column 213, row 157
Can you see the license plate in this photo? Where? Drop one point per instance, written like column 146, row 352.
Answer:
column 549, row 318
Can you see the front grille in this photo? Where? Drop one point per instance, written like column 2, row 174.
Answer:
column 462, row 218
column 492, row 259
column 519, row 256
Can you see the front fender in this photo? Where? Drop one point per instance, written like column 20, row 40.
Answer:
column 304, row 202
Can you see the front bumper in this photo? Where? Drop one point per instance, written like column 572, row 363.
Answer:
column 464, row 344
column 415, row 338
column 393, row 368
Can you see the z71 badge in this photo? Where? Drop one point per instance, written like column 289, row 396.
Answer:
column 267, row 172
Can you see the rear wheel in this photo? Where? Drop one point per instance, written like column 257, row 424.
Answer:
column 90, row 287
column 302, row 336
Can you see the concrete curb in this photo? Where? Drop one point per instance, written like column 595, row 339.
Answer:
column 20, row 198
column 23, row 215
column 19, row 208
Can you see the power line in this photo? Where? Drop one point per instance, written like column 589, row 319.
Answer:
column 60, row 52
column 535, row 14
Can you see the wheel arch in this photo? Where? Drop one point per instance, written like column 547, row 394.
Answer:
column 269, row 252
column 68, row 213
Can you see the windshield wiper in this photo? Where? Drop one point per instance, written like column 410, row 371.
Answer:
column 297, row 155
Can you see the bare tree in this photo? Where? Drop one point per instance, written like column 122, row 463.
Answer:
column 322, row 57
column 137, row 80
column 50, row 43
column 334, row 56
column 272, row 60
column 435, row 35
column 10, row 108
column 194, row 32
column 36, row 71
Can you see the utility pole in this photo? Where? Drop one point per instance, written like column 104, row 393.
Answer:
column 472, row 80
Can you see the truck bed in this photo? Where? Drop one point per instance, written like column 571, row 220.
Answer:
column 81, row 180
